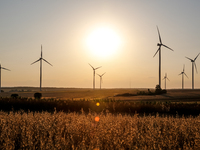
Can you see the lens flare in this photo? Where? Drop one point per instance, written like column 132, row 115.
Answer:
column 97, row 104
column 96, row 119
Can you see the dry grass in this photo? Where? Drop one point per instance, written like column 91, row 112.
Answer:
column 80, row 131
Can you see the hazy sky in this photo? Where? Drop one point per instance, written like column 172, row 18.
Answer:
column 62, row 27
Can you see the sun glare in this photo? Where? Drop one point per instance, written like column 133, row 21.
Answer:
column 103, row 42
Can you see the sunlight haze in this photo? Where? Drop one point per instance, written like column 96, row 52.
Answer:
column 121, row 36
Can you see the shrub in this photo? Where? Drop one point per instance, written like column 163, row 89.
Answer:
column 38, row 95
column 14, row 95
column 158, row 89
column 2, row 90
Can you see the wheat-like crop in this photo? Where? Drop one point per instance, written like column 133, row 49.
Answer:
column 43, row 130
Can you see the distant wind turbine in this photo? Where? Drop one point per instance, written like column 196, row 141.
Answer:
column 40, row 59
column 165, row 77
column 101, row 81
column 0, row 75
column 159, row 50
column 94, row 75
column 183, row 73
column 193, row 64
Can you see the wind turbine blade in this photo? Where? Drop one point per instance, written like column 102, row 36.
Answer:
column 156, row 52
column 196, row 57
column 91, row 66
column 41, row 51
column 98, row 67
column 5, row 68
column 185, row 75
column 180, row 73
column 47, row 62
column 98, row 75
column 168, row 79
column 189, row 58
column 36, row 61
column 167, row 47
column 184, row 68
column 159, row 35
column 103, row 74
column 195, row 67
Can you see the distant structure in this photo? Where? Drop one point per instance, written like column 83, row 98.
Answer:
column 0, row 75
column 165, row 77
column 94, row 75
column 193, row 64
column 183, row 73
column 40, row 59
column 101, row 81
column 159, row 50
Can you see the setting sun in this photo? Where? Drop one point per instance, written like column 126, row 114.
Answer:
column 103, row 42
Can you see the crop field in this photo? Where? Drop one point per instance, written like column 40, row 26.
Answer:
column 93, row 131
column 99, row 119
column 175, row 95
column 66, row 93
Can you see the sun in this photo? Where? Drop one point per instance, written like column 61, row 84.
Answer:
column 103, row 42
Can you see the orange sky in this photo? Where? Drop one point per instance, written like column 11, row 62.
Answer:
column 62, row 28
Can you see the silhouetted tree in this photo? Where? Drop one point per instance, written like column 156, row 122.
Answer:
column 38, row 95
column 158, row 89
column 14, row 95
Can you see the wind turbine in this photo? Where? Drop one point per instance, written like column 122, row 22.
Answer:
column 183, row 73
column 159, row 50
column 94, row 75
column 101, row 81
column 193, row 64
column 165, row 77
column 40, row 59
column 0, row 75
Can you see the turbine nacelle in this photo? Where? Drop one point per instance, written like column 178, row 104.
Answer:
column 95, row 68
column 159, row 44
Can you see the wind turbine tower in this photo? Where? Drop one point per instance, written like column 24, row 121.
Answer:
column 183, row 73
column 101, row 81
column 165, row 77
column 0, row 75
column 159, row 50
column 40, row 59
column 193, row 64
column 94, row 75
